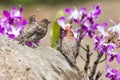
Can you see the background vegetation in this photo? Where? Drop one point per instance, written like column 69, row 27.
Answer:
column 49, row 2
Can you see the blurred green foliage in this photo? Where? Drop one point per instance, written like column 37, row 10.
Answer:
column 55, row 31
column 17, row 2
column 30, row 2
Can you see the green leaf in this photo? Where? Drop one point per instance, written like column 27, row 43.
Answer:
column 55, row 31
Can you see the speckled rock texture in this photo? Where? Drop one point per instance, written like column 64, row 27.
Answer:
column 19, row 62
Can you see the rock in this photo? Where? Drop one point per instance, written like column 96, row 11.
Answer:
column 19, row 62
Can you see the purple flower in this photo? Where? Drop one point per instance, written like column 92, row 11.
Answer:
column 110, row 48
column 93, row 14
column 113, row 56
column 100, row 44
column 28, row 43
column 31, row 43
column 88, row 25
column 84, row 20
column 112, row 74
column 13, row 16
column 1, row 28
column 118, row 57
column 101, row 29
column 62, row 22
column 13, row 23
column 115, row 29
column 75, row 15
column 92, row 29
column 68, row 10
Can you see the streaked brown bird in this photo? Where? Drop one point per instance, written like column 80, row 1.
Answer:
column 69, row 46
column 34, row 31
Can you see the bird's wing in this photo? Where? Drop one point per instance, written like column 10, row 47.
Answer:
column 30, row 33
column 39, row 34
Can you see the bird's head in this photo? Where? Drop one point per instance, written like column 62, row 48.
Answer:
column 44, row 22
column 68, row 30
column 32, row 18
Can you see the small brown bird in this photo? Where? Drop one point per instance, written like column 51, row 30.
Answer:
column 34, row 31
column 69, row 46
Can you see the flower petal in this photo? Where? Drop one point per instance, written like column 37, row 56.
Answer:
column 68, row 10
column 28, row 43
column 61, row 22
column 76, row 21
column 84, row 28
column 17, row 14
column 118, row 58
column 6, row 13
column 12, row 36
column 111, row 58
column 37, row 42
column 24, row 22
column 14, row 8
column 104, row 24
column 1, row 30
column 83, row 9
column 21, row 8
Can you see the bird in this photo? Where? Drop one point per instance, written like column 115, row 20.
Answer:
column 69, row 46
column 34, row 31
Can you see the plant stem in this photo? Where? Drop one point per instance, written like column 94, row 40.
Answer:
column 98, row 75
column 96, row 62
column 78, row 43
column 86, row 67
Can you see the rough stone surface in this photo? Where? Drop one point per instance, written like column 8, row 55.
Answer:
column 19, row 62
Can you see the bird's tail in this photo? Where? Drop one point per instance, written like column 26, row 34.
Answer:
column 71, row 59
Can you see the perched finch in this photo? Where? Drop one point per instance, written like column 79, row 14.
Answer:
column 69, row 45
column 34, row 31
